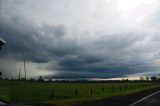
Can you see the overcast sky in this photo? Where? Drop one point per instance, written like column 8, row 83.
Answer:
column 80, row 38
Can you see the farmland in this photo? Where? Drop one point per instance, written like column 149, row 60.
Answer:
column 65, row 93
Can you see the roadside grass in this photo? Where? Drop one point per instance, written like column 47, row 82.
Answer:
column 64, row 94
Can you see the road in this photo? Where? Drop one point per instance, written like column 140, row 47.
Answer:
column 5, row 104
column 150, row 100
column 152, row 96
column 2, row 103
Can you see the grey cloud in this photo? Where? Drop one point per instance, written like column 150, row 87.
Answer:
column 48, row 42
column 26, row 35
column 72, row 63
column 76, row 54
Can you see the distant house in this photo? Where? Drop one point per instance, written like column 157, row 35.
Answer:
column 2, row 42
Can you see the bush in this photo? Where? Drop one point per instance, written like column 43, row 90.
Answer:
column 40, row 79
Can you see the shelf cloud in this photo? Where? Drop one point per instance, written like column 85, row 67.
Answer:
column 77, row 39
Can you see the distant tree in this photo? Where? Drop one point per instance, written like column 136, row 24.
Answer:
column 12, row 79
column 0, row 75
column 6, row 79
column 122, row 79
column 23, row 79
column 141, row 78
column 50, row 80
column 147, row 78
column 125, row 80
column 40, row 78
column 153, row 78
column 31, row 79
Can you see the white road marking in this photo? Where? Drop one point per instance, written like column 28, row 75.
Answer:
column 2, row 103
column 144, row 98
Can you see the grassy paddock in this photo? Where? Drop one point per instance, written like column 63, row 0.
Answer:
column 65, row 93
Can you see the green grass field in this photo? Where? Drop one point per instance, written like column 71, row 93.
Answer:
column 65, row 93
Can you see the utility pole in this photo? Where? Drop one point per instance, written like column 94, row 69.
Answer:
column 24, row 57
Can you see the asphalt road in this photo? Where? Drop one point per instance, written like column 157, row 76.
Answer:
column 2, row 103
column 151, row 100
column 127, row 100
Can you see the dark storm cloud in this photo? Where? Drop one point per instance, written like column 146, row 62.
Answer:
column 38, row 45
column 93, row 72
column 55, row 35
column 42, row 44
column 72, row 63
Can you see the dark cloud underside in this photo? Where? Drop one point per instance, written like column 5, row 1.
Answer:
column 75, row 42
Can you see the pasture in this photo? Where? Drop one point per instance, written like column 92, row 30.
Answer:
column 65, row 93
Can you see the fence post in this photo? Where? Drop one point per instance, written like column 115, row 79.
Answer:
column 52, row 94
column 113, row 88
column 76, row 92
column 126, row 87
column 120, row 88
column 103, row 89
column 91, row 91
column 27, row 99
